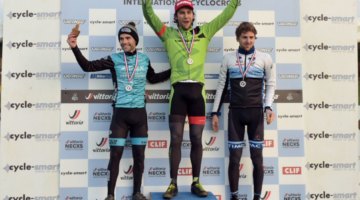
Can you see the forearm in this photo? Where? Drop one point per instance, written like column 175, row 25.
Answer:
column 90, row 66
column 150, row 16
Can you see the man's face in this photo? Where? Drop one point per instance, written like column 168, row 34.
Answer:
column 127, row 43
column 246, row 40
column 185, row 17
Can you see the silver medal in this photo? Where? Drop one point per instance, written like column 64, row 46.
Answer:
column 242, row 83
column 128, row 88
column 190, row 61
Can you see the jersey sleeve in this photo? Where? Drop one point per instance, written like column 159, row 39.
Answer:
column 218, row 22
column 270, row 81
column 221, row 87
column 92, row 66
column 152, row 19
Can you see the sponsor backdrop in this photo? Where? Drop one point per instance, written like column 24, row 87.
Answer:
column 55, row 118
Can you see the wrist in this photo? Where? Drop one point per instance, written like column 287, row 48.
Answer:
column 215, row 114
column 267, row 108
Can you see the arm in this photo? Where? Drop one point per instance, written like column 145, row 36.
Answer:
column 220, row 94
column 218, row 22
column 87, row 66
column 152, row 19
column 153, row 77
column 270, row 83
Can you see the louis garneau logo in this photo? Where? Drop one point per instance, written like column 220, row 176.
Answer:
column 31, row 44
column 29, row 105
column 37, row 75
column 327, row 195
column 30, row 14
column 326, row 18
column 323, row 135
column 328, row 106
column 327, row 76
column 28, row 136
column 329, row 47
column 327, row 165
column 28, row 197
column 40, row 168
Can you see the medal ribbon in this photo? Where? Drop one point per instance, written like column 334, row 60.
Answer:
column 130, row 78
column 247, row 66
column 189, row 50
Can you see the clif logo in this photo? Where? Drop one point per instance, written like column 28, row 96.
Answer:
column 157, row 144
column 291, row 170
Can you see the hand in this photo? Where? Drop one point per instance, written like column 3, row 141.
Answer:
column 215, row 123
column 270, row 116
column 72, row 37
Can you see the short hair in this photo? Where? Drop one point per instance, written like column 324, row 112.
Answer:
column 245, row 27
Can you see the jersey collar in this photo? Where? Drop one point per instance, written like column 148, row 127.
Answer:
column 243, row 51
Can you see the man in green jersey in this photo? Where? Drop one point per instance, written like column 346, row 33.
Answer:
column 186, row 49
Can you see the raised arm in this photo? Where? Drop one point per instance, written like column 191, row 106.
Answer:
column 152, row 19
column 219, row 21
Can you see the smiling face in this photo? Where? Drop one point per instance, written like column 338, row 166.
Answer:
column 185, row 17
column 127, row 43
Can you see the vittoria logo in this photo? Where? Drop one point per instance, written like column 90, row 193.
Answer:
column 210, row 145
column 291, row 170
column 128, row 173
column 74, row 118
column 266, row 195
column 130, row 170
column 102, row 146
column 99, row 96
column 185, row 171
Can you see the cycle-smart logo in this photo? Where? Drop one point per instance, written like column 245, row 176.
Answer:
column 39, row 15
column 45, row 45
column 332, row 77
column 323, row 47
column 336, row 166
column 327, row 135
column 28, row 197
column 330, row 106
column 329, row 195
column 32, row 106
column 322, row 18
column 25, row 167
column 27, row 74
column 39, row 137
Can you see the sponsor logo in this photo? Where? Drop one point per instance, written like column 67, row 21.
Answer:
column 333, row 77
column 211, row 171
column 291, row 170
column 102, row 49
column 102, row 22
column 100, row 76
column 335, row 166
column 29, row 105
column 29, row 14
column 28, row 197
column 332, row 19
column 74, row 198
column 43, row 168
column 157, row 144
column 290, row 143
column 30, row 136
column 269, row 143
column 288, row 96
column 211, row 76
column 128, row 173
column 334, row 107
column 185, row 171
column 100, row 173
column 155, row 49
column 265, row 50
column 293, row 50
column 329, row 47
column 266, row 195
column 102, row 145
column 156, row 117
column 126, row 197
column 289, row 76
column 37, row 75
column 157, row 172
column 76, row 145
column 125, row 22
column 327, row 195
column 185, row 144
column 210, row 145
column 29, row 44
column 74, row 76
column 333, row 136
column 74, row 121
column 287, row 23
column 102, row 117
column 269, row 170
column 292, row 196
column 98, row 96
column 69, row 173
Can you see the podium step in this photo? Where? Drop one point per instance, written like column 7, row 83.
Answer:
column 182, row 196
